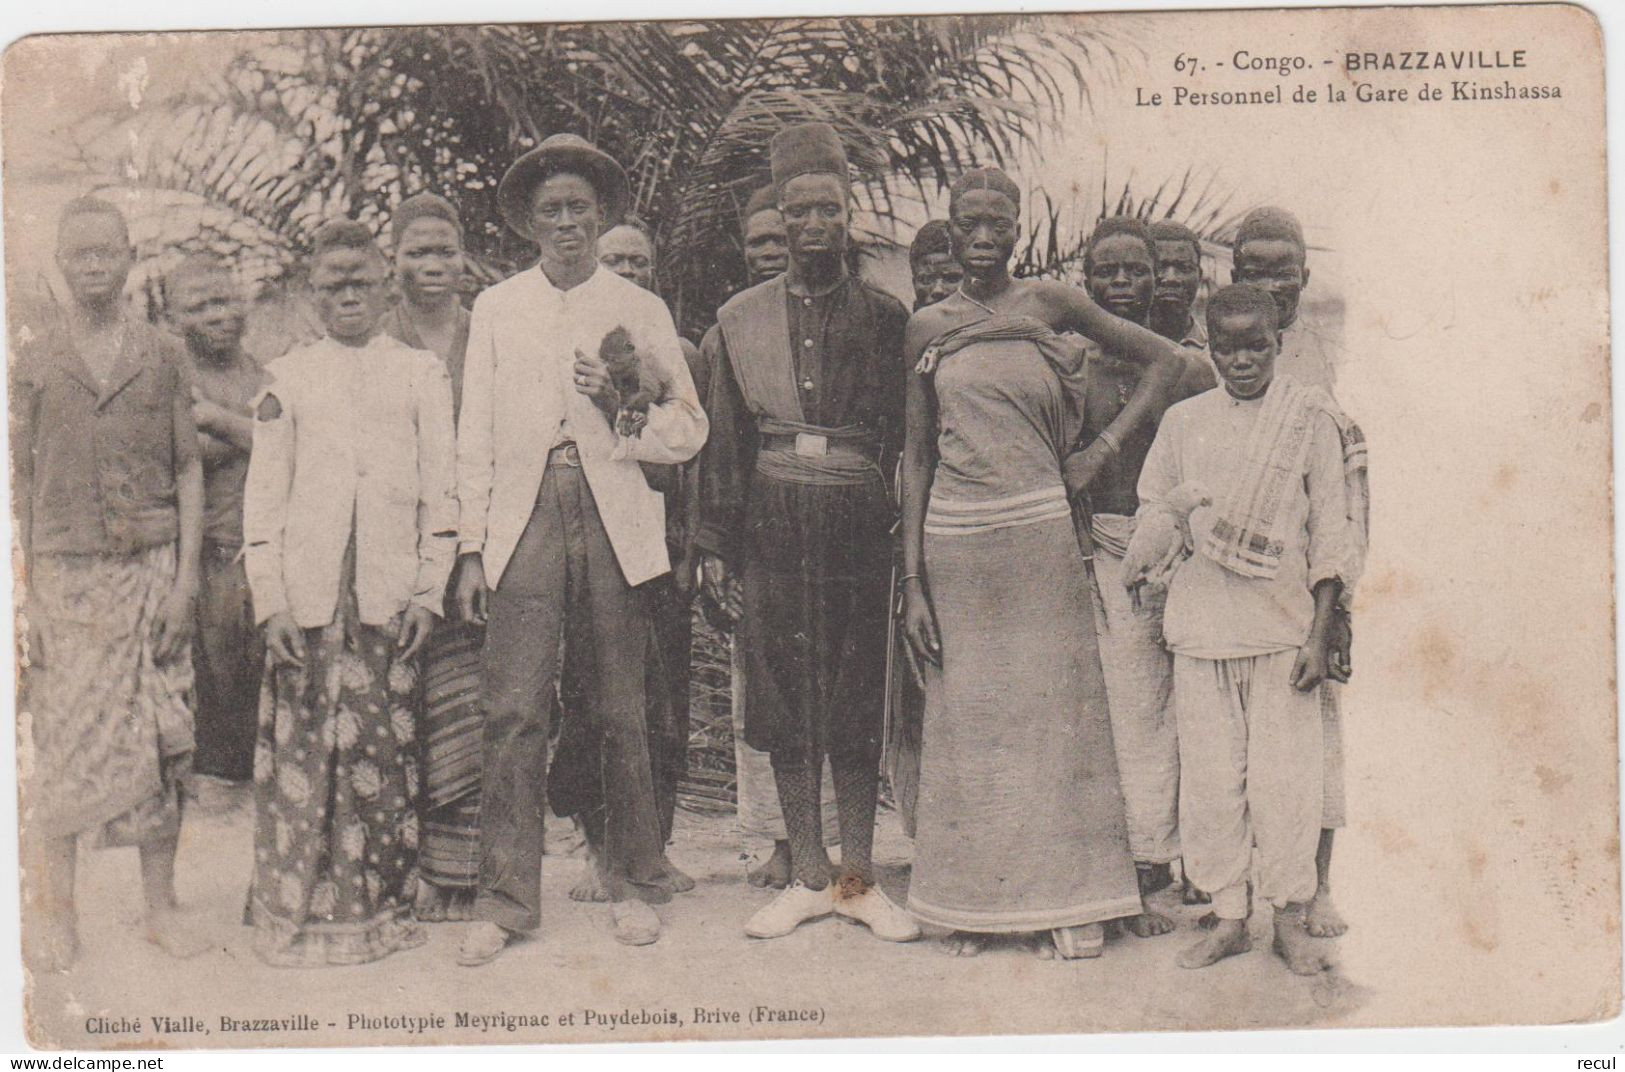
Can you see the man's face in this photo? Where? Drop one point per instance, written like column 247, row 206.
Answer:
column 93, row 252
column 565, row 218
column 982, row 227
column 626, row 252
column 815, row 216
column 767, row 250
column 936, row 275
column 1244, row 346
column 350, row 294
column 1278, row 266
column 1179, row 274
column 208, row 311
column 429, row 259
column 1122, row 277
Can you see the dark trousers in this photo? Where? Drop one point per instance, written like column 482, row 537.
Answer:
column 564, row 579
column 574, row 785
column 228, row 657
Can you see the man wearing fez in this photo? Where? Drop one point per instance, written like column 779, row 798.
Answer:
column 761, row 228
column 806, row 401
column 558, row 526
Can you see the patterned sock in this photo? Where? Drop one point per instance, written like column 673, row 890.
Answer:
column 857, row 781
column 803, row 822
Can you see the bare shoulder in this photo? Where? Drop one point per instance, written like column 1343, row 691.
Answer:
column 926, row 324
column 1046, row 294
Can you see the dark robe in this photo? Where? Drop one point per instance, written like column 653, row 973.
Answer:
column 809, row 535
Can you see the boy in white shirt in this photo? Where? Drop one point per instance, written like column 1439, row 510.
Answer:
column 1249, row 618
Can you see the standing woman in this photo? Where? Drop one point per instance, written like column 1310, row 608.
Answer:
column 428, row 237
column 1020, row 824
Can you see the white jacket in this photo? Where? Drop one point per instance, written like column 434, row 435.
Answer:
column 519, row 394
column 364, row 434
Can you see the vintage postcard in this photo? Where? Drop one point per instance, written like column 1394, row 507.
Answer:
column 807, row 528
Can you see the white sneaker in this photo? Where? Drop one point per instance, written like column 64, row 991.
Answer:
column 883, row 918
column 798, row 904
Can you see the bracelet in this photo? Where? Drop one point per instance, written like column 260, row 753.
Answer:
column 905, row 578
column 1107, row 438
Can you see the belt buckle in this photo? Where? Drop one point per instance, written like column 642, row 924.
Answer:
column 815, row 446
column 568, row 454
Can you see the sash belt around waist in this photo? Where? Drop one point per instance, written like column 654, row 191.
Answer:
column 798, row 453
column 815, row 446
column 838, row 468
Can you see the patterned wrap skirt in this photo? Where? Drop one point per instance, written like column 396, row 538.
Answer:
column 111, row 726
column 335, row 779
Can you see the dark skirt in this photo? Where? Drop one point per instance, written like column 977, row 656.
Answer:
column 814, row 633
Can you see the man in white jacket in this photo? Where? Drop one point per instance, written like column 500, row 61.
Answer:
column 558, row 529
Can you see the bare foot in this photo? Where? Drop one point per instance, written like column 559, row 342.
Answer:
column 681, row 881
column 175, row 934
column 774, row 873
column 1079, row 943
column 1153, row 877
column 1193, row 896
column 1148, row 924
column 460, row 906
column 430, row 904
column 1303, row 955
column 590, row 886
column 1228, row 938
column 963, row 944
column 1323, row 920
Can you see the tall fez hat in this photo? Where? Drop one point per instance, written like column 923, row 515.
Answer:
column 562, row 152
column 807, row 149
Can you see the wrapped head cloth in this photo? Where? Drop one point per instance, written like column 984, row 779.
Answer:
column 807, row 149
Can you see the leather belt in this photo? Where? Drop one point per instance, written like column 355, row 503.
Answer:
column 565, row 454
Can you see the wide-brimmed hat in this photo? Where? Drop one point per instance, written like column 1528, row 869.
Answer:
column 562, row 152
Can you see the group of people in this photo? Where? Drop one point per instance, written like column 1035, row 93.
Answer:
column 450, row 558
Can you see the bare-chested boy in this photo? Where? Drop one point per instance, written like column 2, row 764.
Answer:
column 206, row 306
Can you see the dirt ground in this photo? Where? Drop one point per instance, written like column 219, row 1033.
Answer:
column 829, row 978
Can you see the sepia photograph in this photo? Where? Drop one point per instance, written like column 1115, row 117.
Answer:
column 811, row 527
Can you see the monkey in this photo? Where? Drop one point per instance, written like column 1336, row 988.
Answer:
column 637, row 381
